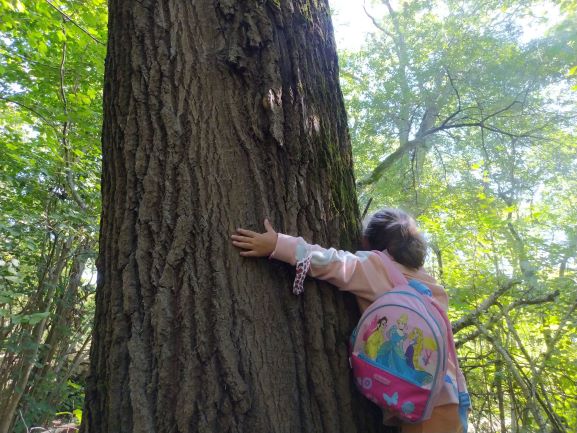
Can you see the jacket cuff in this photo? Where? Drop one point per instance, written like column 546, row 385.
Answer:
column 285, row 249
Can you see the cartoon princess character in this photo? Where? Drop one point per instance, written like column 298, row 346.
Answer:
column 414, row 348
column 392, row 356
column 375, row 336
column 413, row 355
column 392, row 351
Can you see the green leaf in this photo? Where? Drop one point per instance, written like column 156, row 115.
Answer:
column 78, row 415
column 37, row 317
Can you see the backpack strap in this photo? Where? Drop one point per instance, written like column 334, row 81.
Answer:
column 396, row 276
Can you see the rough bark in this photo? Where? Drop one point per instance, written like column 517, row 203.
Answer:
column 216, row 115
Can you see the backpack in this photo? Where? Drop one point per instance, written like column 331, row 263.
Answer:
column 400, row 347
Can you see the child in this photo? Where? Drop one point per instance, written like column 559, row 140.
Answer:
column 363, row 273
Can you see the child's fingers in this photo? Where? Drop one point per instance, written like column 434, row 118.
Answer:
column 268, row 225
column 248, row 233
column 241, row 238
column 249, row 254
column 243, row 245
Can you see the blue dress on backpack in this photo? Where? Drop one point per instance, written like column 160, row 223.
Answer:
column 392, row 357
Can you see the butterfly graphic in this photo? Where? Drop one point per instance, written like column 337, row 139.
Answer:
column 391, row 400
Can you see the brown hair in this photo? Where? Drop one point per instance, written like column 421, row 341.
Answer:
column 396, row 231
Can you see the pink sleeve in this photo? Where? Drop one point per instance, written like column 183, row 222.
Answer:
column 361, row 273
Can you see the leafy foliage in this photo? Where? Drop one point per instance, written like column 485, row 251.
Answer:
column 50, row 91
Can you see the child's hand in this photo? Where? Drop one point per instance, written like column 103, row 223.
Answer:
column 256, row 244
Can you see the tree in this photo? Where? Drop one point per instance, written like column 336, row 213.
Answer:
column 217, row 114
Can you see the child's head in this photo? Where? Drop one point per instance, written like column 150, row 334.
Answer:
column 395, row 231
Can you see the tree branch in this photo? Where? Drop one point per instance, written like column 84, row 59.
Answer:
column 507, row 359
column 533, row 382
column 386, row 163
column 375, row 22
column 472, row 317
column 350, row 75
column 366, row 208
column 553, row 341
column 33, row 111
column 445, row 125
column 65, row 124
column 68, row 18
column 496, row 317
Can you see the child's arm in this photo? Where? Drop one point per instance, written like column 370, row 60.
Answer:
column 360, row 273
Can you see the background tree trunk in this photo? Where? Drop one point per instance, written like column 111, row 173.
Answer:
column 216, row 115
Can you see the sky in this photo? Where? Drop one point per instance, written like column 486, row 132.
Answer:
column 351, row 24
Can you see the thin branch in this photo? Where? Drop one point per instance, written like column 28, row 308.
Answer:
column 68, row 18
column 480, row 124
column 533, row 382
column 456, row 93
column 386, row 163
column 438, row 254
column 350, row 75
column 502, row 110
column 33, row 111
column 472, row 317
column 65, row 124
column 414, row 174
column 494, row 319
column 558, row 334
column 375, row 22
column 23, row 420
column 442, row 161
column 473, row 335
column 367, row 208
column 21, row 58
column 516, row 375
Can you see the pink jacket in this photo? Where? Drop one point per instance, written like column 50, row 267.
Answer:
column 361, row 273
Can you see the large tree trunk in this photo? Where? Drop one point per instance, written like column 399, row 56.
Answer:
column 217, row 114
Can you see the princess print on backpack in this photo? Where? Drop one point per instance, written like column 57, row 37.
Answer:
column 401, row 352
column 393, row 356
column 374, row 337
column 398, row 356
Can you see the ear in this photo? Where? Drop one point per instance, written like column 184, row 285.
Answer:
column 365, row 244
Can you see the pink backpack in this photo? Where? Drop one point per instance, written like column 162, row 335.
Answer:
column 400, row 348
